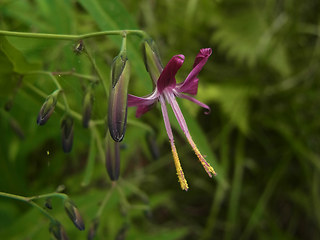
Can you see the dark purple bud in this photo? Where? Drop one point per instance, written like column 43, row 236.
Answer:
column 152, row 59
column 58, row 231
column 74, row 214
column 47, row 108
column 117, row 112
column 121, row 235
column 93, row 229
column 113, row 158
column 87, row 106
column 67, row 133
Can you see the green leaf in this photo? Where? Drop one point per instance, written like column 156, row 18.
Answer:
column 17, row 59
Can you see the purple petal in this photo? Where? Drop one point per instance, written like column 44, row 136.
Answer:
column 201, row 104
column 190, row 85
column 166, row 118
column 167, row 77
column 143, row 104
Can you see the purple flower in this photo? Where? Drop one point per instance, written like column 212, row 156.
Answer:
column 166, row 91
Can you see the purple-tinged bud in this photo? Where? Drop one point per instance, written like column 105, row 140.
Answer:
column 47, row 108
column 67, row 133
column 87, row 106
column 152, row 59
column 93, row 229
column 117, row 112
column 74, row 214
column 58, row 231
column 113, row 158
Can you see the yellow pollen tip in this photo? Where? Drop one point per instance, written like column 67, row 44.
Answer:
column 182, row 179
column 204, row 163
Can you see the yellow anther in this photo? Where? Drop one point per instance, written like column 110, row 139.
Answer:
column 182, row 179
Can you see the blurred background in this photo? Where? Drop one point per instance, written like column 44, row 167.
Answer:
column 262, row 136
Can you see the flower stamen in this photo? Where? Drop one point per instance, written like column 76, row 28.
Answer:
column 181, row 177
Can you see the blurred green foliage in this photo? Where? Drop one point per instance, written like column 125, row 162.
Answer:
column 262, row 136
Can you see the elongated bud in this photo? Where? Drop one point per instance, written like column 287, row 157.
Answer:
column 67, row 133
column 58, row 231
column 74, row 214
column 87, row 106
column 93, row 229
column 47, row 108
column 152, row 59
column 117, row 112
column 113, row 158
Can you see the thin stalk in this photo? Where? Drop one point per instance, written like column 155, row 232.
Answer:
column 105, row 200
column 96, row 68
column 29, row 201
column 79, row 75
column 73, row 37
column 95, row 132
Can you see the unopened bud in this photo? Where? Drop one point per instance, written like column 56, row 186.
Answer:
column 113, row 158
column 74, row 214
column 152, row 59
column 93, row 229
column 67, row 133
column 87, row 106
column 47, row 108
column 117, row 112
column 58, row 231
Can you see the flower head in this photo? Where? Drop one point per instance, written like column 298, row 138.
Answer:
column 166, row 91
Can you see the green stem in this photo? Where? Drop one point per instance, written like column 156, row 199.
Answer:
column 96, row 68
column 29, row 201
column 72, row 37
column 72, row 73
column 105, row 200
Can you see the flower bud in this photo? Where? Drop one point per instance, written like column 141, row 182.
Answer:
column 93, row 229
column 67, row 133
column 74, row 214
column 87, row 106
column 152, row 59
column 47, row 108
column 117, row 112
column 58, row 231
column 113, row 158
column 48, row 203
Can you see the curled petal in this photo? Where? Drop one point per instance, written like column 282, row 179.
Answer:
column 190, row 85
column 167, row 77
column 201, row 104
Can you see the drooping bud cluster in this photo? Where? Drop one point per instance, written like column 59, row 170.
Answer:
column 47, row 108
